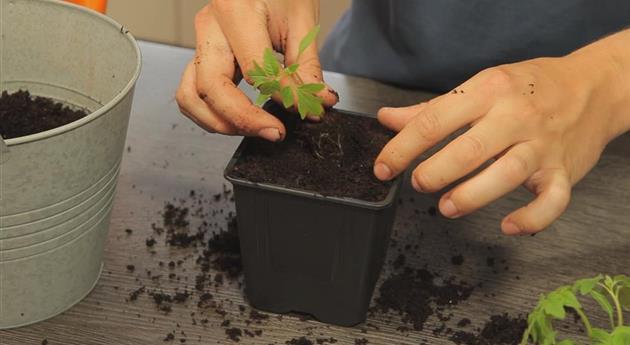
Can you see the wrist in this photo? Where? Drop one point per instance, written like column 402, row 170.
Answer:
column 605, row 65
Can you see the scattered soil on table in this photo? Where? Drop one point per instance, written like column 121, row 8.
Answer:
column 334, row 157
column 234, row 334
column 500, row 330
column 22, row 114
column 418, row 294
column 415, row 294
column 299, row 341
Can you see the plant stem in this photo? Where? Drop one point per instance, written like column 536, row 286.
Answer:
column 525, row 339
column 585, row 321
column 615, row 298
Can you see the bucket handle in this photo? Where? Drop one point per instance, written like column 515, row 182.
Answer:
column 4, row 150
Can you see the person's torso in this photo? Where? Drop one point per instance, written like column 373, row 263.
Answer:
column 438, row 44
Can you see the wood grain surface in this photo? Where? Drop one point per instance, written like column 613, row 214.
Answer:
column 169, row 156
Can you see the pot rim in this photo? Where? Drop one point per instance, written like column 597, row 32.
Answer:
column 375, row 205
column 107, row 106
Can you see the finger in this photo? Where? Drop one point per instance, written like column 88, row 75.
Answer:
column 215, row 72
column 244, row 24
column 195, row 108
column 397, row 118
column 465, row 153
column 554, row 194
column 434, row 123
column 500, row 178
column 301, row 20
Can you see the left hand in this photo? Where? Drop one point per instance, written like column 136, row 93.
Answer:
column 545, row 121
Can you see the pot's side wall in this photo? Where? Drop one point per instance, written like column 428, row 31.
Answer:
column 310, row 255
column 57, row 187
column 51, row 258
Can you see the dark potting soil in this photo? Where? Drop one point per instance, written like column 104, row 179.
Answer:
column 418, row 294
column 234, row 334
column 333, row 158
column 22, row 114
column 500, row 330
column 299, row 341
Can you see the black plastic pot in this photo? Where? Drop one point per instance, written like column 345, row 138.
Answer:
column 308, row 253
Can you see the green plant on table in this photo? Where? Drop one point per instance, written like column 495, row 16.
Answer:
column 611, row 293
column 273, row 78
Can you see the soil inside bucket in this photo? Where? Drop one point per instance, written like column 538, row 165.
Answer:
column 334, row 157
column 22, row 114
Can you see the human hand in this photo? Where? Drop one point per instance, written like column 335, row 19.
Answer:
column 231, row 35
column 545, row 121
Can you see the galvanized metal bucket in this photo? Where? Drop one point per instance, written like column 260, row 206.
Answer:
column 57, row 186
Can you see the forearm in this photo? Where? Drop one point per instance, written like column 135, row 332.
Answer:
column 609, row 62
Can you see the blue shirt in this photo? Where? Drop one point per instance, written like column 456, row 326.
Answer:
column 438, row 44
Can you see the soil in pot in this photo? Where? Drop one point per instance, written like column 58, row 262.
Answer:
column 22, row 114
column 334, row 157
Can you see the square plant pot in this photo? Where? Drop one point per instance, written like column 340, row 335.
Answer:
column 308, row 253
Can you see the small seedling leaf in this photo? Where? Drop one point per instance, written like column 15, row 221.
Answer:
column 308, row 39
column 608, row 281
column 287, row 97
column 584, row 286
column 624, row 297
column 271, row 64
column 261, row 99
column 604, row 303
column 312, row 88
column 257, row 71
column 258, row 80
column 568, row 298
column 269, row 87
column 309, row 104
column 621, row 336
column 600, row 336
column 291, row 69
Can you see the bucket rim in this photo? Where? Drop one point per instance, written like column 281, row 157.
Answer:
column 107, row 106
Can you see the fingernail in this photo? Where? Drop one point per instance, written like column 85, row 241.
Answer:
column 382, row 171
column 449, row 209
column 271, row 134
column 511, row 228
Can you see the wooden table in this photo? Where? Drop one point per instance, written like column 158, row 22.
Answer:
column 168, row 156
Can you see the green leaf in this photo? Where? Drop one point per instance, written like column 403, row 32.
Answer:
column 624, row 291
column 287, row 96
column 291, row 69
column 257, row 71
column 600, row 336
column 549, row 339
column 312, row 88
column 271, row 64
column 309, row 104
column 566, row 342
column 584, row 286
column 608, row 281
column 621, row 336
column 624, row 297
column 261, row 99
column 554, row 305
column 258, row 80
column 568, row 298
column 269, row 87
column 604, row 303
column 308, row 39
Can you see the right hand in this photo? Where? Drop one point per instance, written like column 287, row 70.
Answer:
column 231, row 34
